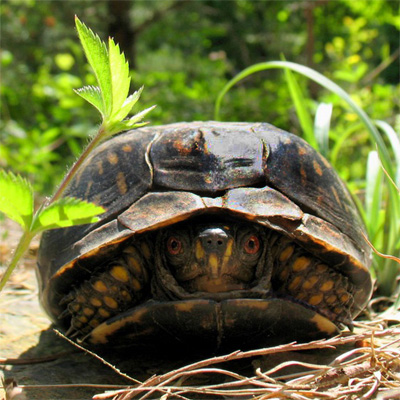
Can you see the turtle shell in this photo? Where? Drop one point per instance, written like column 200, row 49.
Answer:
column 154, row 177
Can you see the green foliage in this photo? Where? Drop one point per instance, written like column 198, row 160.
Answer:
column 381, row 209
column 65, row 212
column 184, row 53
column 111, row 99
column 16, row 199
column 16, row 202
column 112, row 74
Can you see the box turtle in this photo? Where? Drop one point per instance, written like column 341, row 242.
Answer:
column 215, row 234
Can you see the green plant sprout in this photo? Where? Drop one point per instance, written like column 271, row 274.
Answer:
column 381, row 207
column 111, row 98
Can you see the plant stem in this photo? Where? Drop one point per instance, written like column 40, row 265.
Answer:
column 72, row 172
column 22, row 247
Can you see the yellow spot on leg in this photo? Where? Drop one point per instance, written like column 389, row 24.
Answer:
column 322, row 268
column 120, row 273
column 75, row 307
column 80, row 299
column 338, row 310
column 127, row 148
column 135, row 266
column 94, row 322
column 110, row 302
column 328, row 285
column 344, row 297
column 136, row 284
column 310, row 282
column 316, row 299
column 126, row 295
column 295, row 283
column 104, row 313
column 301, row 263
column 100, row 286
column 286, row 253
column 284, row 274
column 331, row 299
column 88, row 311
column 145, row 250
column 95, row 302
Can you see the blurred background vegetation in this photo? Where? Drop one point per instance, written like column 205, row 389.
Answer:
column 184, row 52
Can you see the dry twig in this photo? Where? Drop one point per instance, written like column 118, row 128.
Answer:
column 362, row 371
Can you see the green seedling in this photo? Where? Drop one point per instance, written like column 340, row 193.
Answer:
column 111, row 98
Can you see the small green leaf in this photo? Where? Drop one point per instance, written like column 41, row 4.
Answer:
column 120, row 78
column 138, row 117
column 97, row 55
column 67, row 211
column 131, row 123
column 127, row 105
column 16, row 198
column 92, row 94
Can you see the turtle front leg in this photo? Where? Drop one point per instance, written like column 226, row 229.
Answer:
column 310, row 281
column 121, row 285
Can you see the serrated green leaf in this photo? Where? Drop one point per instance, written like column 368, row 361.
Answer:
column 139, row 116
column 97, row 56
column 122, row 126
column 116, row 126
column 120, row 79
column 92, row 95
column 65, row 212
column 16, row 198
column 129, row 102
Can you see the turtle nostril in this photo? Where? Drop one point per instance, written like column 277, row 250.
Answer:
column 214, row 239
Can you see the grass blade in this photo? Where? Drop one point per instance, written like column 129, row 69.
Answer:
column 300, row 102
column 322, row 123
column 321, row 80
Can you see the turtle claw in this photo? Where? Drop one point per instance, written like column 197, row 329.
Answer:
column 64, row 314
column 71, row 332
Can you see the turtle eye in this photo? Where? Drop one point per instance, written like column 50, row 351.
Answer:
column 252, row 245
column 174, row 245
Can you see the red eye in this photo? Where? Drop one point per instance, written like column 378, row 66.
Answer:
column 252, row 245
column 174, row 245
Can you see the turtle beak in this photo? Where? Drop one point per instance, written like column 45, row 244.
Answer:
column 214, row 248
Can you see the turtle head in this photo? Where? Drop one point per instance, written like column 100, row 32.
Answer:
column 214, row 257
